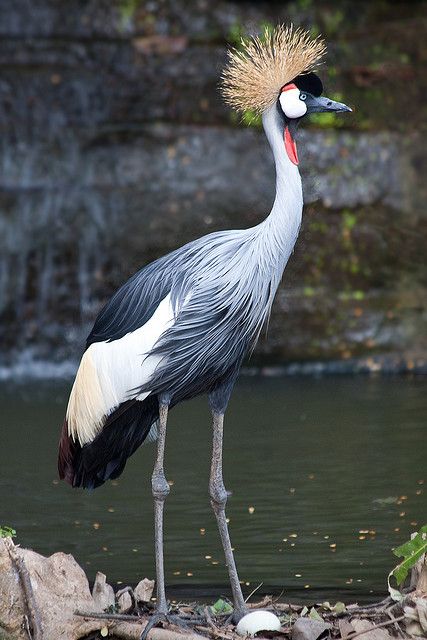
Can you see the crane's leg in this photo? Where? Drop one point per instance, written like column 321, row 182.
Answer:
column 218, row 495
column 160, row 489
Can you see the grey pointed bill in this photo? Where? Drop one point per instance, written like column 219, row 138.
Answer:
column 323, row 104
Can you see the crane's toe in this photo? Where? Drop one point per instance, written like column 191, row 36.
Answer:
column 169, row 618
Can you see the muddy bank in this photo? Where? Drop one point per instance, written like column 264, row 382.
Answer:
column 51, row 598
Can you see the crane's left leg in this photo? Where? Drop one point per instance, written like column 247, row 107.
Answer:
column 218, row 496
column 160, row 489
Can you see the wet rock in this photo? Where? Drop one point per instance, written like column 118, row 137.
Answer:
column 59, row 588
column 144, row 590
column 124, row 602
column 102, row 592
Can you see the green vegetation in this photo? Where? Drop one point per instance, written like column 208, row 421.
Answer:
column 7, row 532
column 127, row 10
column 411, row 551
column 221, row 607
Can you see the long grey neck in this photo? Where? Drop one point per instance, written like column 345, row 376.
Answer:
column 279, row 231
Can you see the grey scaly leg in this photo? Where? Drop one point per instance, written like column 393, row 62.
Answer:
column 160, row 489
column 218, row 496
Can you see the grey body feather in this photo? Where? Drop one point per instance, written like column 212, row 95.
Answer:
column 222, row 287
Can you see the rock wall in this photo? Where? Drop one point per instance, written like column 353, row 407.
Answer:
column 115, row 147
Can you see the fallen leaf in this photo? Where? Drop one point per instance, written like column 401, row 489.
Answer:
column 345, row 627
column 307, row 629
column 315, row 615
column 369, row 632
column 338, row 608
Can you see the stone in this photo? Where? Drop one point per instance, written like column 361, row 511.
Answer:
column 102, row 592
column 144, row 590
column 124, row 602
column 60, row 587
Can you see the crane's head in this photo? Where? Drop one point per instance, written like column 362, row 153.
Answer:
column 275, row 71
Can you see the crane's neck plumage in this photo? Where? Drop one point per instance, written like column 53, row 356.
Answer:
column 279, row 231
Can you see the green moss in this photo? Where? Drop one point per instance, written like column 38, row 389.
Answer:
column 127, row 10
column 349, row 219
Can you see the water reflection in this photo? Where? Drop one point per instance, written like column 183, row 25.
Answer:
column 326, row 476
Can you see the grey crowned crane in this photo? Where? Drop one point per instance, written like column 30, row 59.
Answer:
column 182, row 325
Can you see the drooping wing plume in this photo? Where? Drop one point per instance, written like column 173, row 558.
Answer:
column 256, row 72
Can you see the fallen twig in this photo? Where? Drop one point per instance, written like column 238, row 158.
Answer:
column 212, row 627
column 254, row 591
column 36, row 632
column 265, row 602
column 374, row 626
column 213, row 631
column 373, row 606
column 396, row 624
column 109, row 616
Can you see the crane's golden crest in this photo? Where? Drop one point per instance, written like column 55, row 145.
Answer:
column 256, row 72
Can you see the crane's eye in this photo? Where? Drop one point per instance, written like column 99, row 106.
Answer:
column 303, row 96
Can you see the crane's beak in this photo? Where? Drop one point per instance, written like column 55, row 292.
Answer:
column 322, row 104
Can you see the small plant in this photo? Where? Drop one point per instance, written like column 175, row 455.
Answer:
column 221, row 607
column 411, row 551
column 7, row 532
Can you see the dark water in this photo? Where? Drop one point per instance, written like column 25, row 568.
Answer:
column 316, row 461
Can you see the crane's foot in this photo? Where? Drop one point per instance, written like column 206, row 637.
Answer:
column 169, row 618
column 236, row 616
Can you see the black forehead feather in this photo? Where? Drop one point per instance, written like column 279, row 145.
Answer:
column 309, row 82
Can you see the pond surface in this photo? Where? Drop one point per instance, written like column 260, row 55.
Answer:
column 327, row 475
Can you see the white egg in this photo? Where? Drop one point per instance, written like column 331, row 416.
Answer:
column 256, row 621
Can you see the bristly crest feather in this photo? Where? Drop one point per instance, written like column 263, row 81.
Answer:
column 256, row 72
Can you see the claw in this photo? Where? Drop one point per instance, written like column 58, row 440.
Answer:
column 158, row 617
column 153, row 621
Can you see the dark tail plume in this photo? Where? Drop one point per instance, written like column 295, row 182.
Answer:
column 105, row 457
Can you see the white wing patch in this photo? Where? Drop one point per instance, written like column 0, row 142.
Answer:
column 110, row 371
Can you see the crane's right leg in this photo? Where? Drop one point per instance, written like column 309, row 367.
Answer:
column 218, row 496
column 160, row 489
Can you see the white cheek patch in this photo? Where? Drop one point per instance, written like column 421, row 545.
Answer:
column 291, row 105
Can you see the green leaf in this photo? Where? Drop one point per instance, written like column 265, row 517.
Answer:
column 221, row 606
column 338, row 608
column 7, row 532
column 315, row 615
column 411, row 551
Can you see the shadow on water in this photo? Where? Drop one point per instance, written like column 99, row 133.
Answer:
column 326, row 477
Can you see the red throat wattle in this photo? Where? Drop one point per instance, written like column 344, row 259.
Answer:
column 291, row 147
